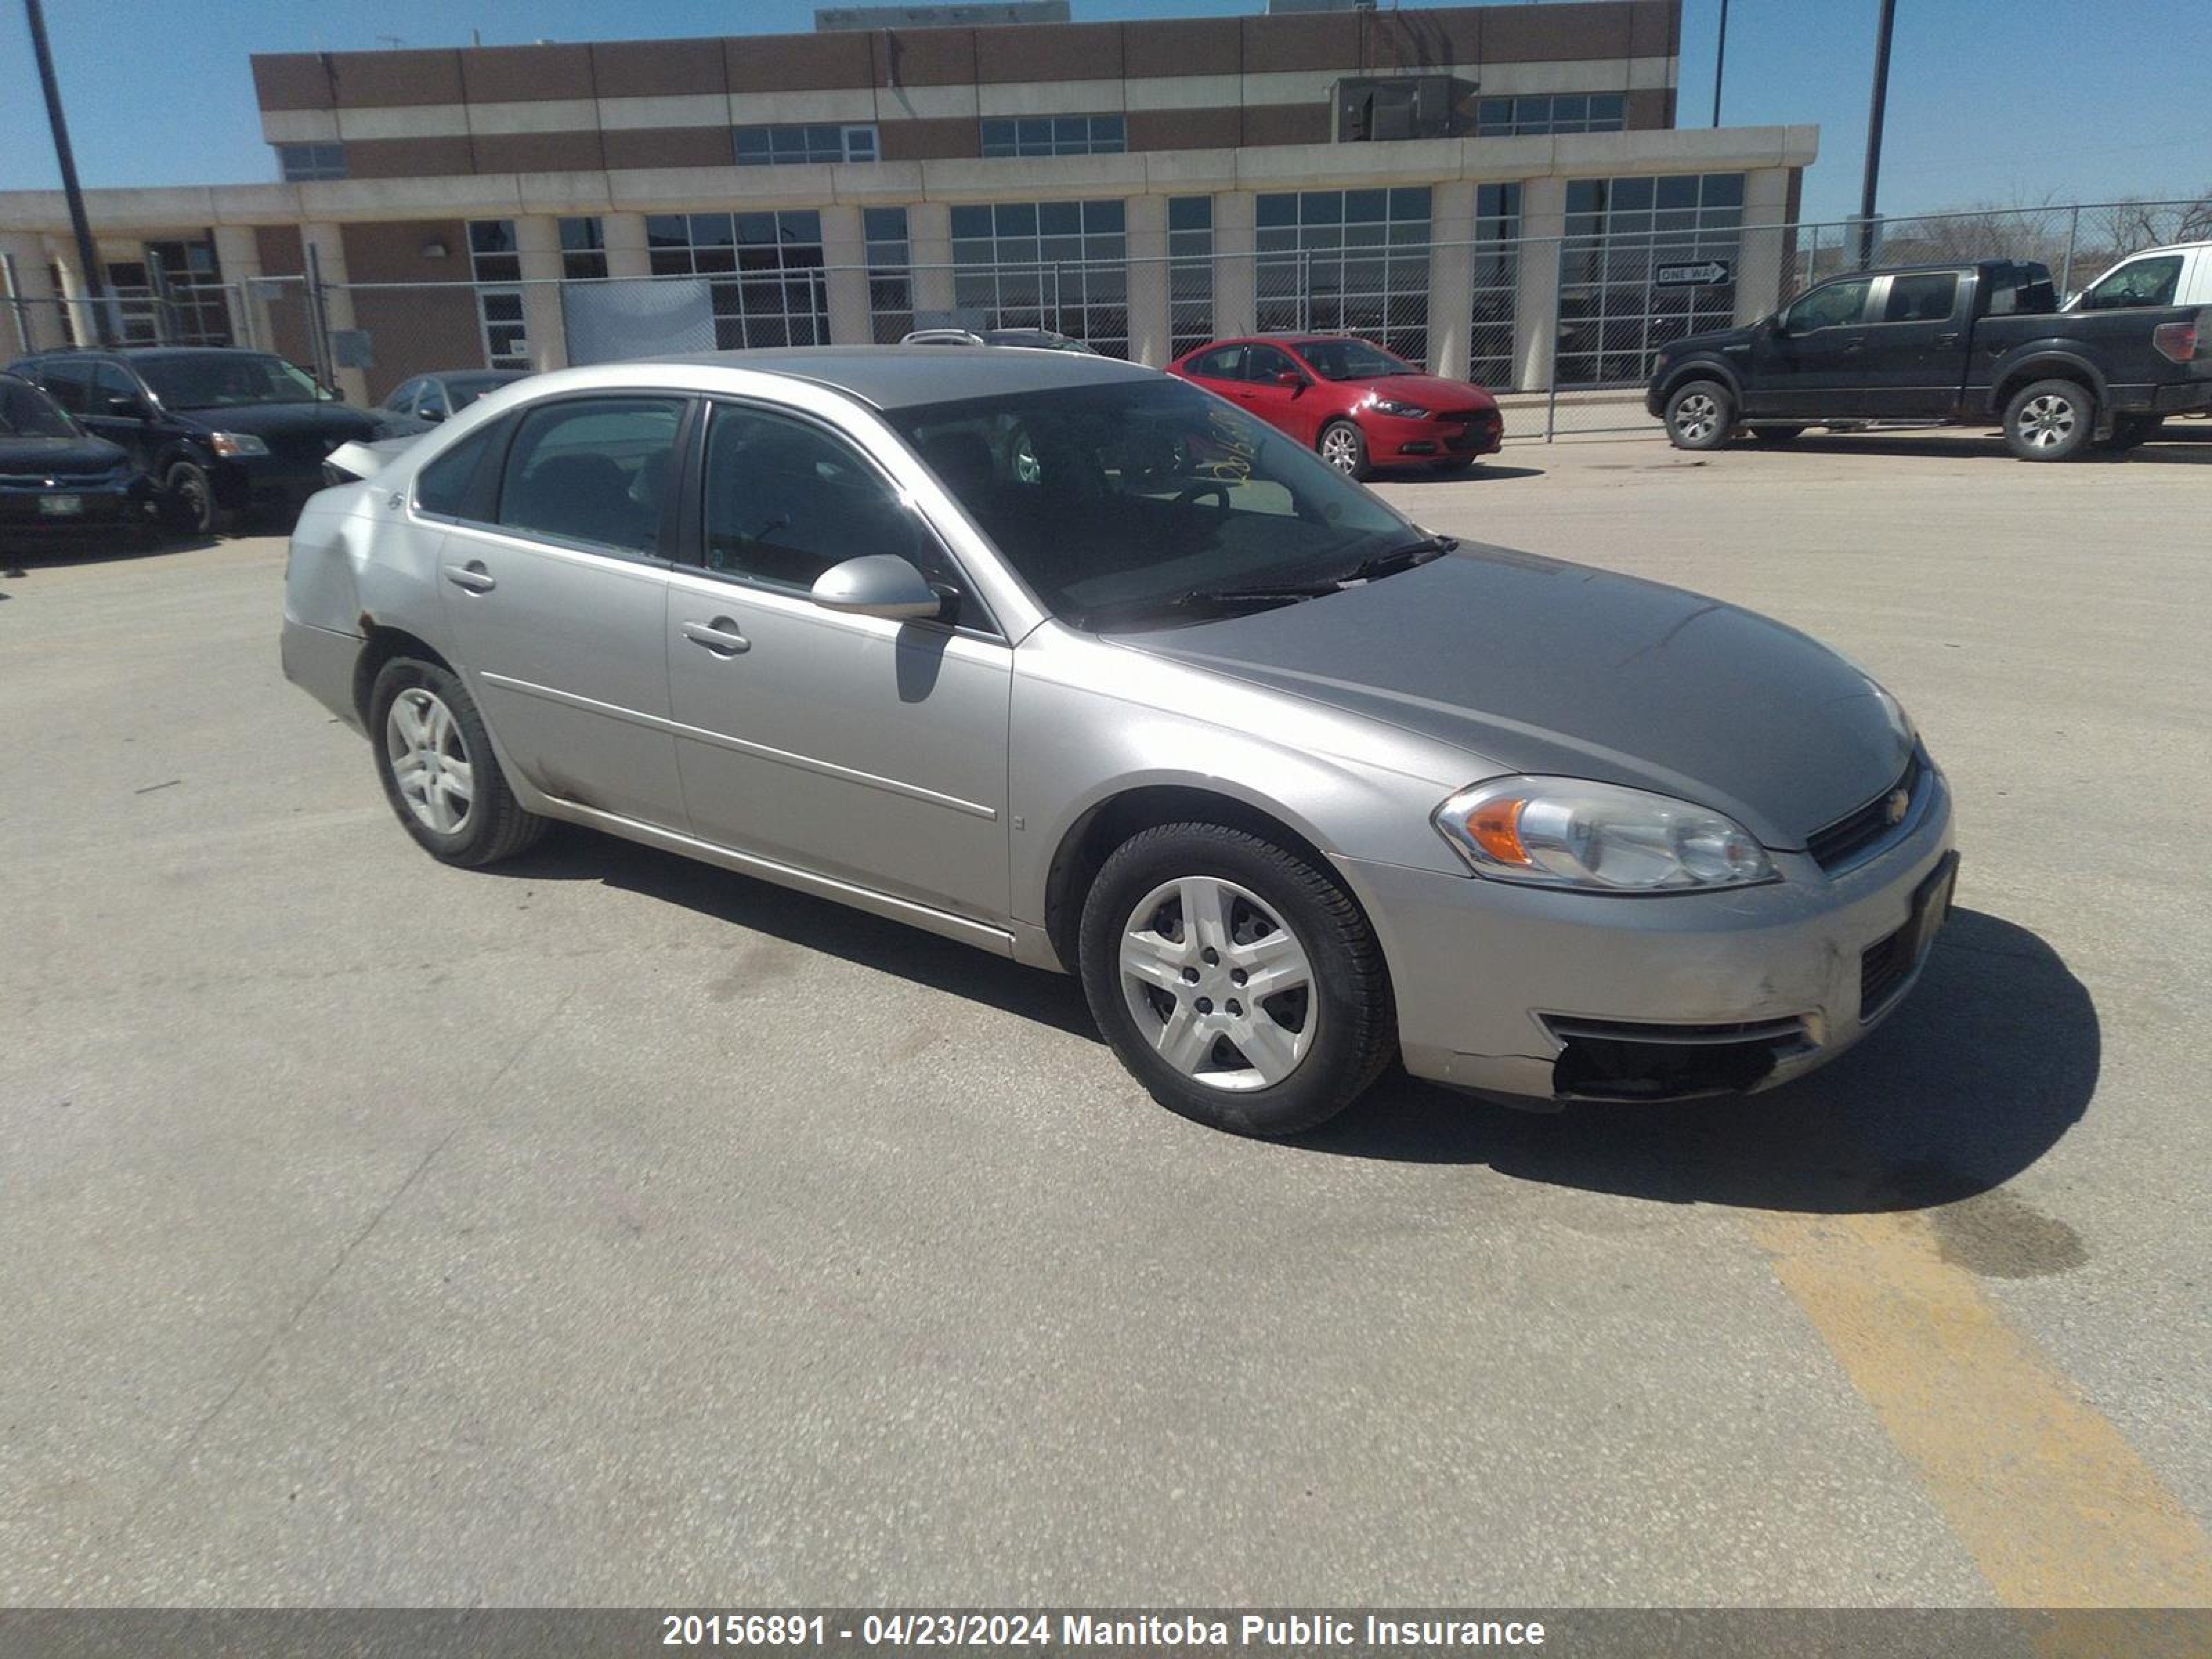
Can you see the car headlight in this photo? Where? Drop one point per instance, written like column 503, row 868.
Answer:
column 231, row 445
column 1407, row 411
column 1599, row 838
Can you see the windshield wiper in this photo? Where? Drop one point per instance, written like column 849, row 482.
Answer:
column 1398, row 558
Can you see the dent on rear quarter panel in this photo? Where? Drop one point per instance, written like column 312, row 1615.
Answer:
column 319, row 584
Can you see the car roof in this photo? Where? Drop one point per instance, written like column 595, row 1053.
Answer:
column 143, row 352
column 903, row 377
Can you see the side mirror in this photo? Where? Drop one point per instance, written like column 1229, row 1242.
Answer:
column 1778, row 326
column 127, row 407
column 878, row 584
column 1291, row 378
column 431, row 413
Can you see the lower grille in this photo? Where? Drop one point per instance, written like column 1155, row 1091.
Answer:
column 1883, row 969
column 1636, row 1059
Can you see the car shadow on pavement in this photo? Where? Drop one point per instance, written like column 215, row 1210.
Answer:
column 1481, row 474
column 569, row 853
column 2164, row 449
column 21, row 561
column 1981, row 1070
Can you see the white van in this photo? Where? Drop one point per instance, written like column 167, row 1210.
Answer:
column 2177, row 276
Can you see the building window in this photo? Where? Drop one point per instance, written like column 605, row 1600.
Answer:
column 771, row 291
column 185, row 287
column 1056, row 135
column 1060, row 265
column 300, row 164
column 1562, row 112
column 494, row 258
column 1612, row 314
column 890, row 273
column 1496, row 260
column 583, row 249
column 1190, row 272
column 1350, row 260
column 792, row 146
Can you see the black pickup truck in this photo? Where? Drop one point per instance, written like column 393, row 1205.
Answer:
column 1981, row 344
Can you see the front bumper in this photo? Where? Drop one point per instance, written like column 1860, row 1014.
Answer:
column 1394, row 441
column 274, row 484
column 102, row 509
column 1496, row 982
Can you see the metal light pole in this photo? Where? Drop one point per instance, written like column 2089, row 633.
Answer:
column 88, row 256
column 1874, row 131
column 1720, row 63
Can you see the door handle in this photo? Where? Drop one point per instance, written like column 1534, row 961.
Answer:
column 472, row 576
column 1947, row 339
column 719, row 636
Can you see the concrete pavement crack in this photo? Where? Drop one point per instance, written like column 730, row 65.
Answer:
column 254, row 1366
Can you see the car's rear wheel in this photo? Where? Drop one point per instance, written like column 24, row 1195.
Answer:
column 1698, row 415
column 1236, row 979
column 2050, row 420
column 434, row 759
column 1344, row 447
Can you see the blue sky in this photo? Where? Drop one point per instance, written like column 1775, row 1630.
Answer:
column 1989, row 101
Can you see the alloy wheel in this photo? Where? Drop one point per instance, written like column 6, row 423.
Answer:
column 1339, row 447
column 1695, row 416
column 2046, row 421
column 1217, row 984
column 430, row 760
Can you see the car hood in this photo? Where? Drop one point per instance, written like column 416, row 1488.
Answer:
column 79, row 455
column 336, row 423
column 1530, row 665
column 1717, row 339
column 1432, row 392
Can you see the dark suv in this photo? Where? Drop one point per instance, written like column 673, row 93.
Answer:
column 222, row 432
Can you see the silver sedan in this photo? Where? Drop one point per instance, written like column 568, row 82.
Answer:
column 1078, row 664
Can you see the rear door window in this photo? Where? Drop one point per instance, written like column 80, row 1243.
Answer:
column 69, row 382
column 1924, row 299
column 1222, row 363
column 592, row 470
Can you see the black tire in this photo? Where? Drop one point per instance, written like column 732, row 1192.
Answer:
column 495, row 825
column 2132, row 431
column 1348, row 997
column 1355, row 448
column 1776, row 435
column 189, row 503
column 1700, row 414
column 2050, row 420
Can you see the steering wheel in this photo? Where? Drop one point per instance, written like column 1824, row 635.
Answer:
column 1206, row 487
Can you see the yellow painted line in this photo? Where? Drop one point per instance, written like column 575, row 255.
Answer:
column 2055, row 1508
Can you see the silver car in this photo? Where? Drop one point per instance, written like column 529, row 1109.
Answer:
column 1081, row 664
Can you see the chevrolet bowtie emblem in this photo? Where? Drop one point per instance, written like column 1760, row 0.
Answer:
column 1892, row 809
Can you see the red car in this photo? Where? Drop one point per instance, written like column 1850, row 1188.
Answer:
column 1361, row 408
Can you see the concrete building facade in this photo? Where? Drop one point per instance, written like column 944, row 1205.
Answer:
column 1474, row 186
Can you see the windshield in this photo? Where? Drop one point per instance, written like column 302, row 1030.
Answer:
column 28, row 412
column 1116, row 502
column 1351, row 359
column 226, row 380
column 465, row 389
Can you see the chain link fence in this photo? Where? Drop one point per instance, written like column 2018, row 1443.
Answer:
column 1564, row 329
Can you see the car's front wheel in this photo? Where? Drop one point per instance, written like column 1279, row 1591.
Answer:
column 435, row 761
column 1236, row 979
column 189, row 494
column 1698, row 415
column 1344, row 447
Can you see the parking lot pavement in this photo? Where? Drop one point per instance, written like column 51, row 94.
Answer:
column 607, row 1228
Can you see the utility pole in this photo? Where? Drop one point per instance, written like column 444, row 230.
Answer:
column 1874, row 131
column 88, row 256
column 1720, row 63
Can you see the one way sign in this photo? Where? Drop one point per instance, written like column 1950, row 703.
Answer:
column 1703, row 276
